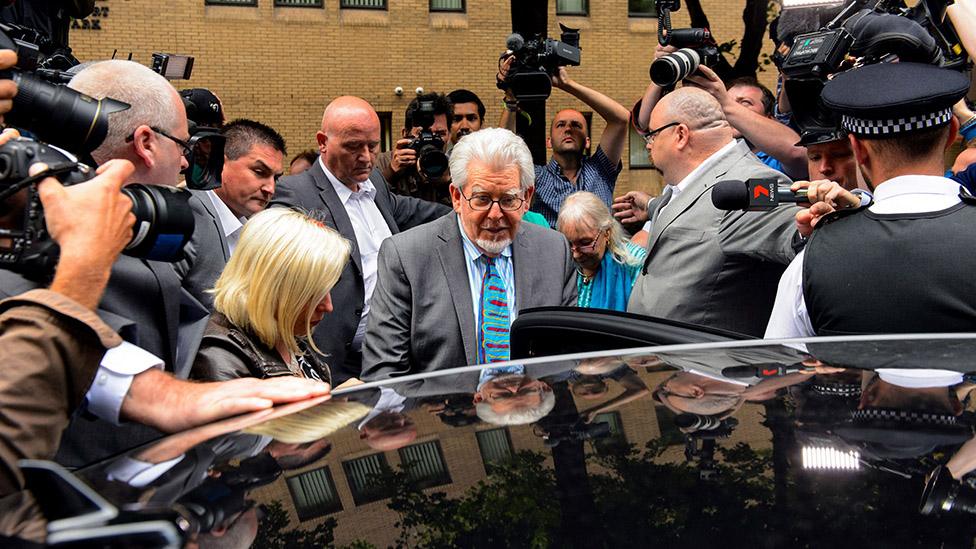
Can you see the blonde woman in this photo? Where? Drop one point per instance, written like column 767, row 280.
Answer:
column 273, row 291
column 606, row 262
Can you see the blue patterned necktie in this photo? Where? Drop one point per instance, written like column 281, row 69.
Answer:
column 493, row 331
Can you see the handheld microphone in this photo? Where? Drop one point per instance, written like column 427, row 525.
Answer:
column 754, row 195
column 760, row 370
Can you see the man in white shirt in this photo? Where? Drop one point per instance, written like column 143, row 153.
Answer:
column 356, row 201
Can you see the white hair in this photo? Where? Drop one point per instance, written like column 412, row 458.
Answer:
column 520, row 416
column 588, row 210
column 496, row 147
column 152, row 99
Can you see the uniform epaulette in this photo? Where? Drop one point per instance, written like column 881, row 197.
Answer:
column 839, row 214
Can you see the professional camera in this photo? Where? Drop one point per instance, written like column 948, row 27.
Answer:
column 164, row 220
column 537, row 60
column 697, row 47
column 55, row 114
column 429, row 147
column 568, row 432
column 860, row 36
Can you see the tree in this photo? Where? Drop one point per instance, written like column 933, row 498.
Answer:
column 755, row 17
column 275, row 532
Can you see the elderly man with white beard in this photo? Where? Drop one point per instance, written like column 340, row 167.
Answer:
column 448, row 291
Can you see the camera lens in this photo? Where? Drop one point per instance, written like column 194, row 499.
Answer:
column 60, row 115
column 674, row 67
column 164, row 222
column 433, row 161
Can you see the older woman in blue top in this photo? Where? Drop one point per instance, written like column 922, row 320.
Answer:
column 607, row 263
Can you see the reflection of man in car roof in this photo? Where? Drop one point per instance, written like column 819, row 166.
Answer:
column 506, row 396
column 386, row 427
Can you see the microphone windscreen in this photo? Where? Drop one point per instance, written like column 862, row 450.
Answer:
column 514, row 42
column 730, row 195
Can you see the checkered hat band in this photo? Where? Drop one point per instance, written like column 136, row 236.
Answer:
column 891, row 126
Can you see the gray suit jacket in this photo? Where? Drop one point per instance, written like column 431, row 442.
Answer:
column 421, row 317
column 312, row 190
column 713, row 267
column 207, row 253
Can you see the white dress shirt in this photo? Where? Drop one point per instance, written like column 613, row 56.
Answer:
column 114, row 377
column 371, row 230
column 904, row 194
column 231, row 224
column 676, row 190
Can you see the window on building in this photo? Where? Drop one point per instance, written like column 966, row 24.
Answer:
column 386, row 131
column 447, row 5
column 367, row 478
column 638, row 150
column 495, row 446
column 314, row 494
column 616, row 438
column 231, row 2
column 424, row 464
column 363, row 4
column 298, row 3
column 572, row 7
column 670, row 433
column 641, row 8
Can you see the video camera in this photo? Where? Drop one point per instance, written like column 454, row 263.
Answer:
column 574, row 431
column 429, row 147
column 697, row 47
column 78, row 123
column 859, row 36
column 537, row 60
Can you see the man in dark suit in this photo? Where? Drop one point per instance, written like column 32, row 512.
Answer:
column 253, row 160
column 355, row 201
column 144, row 301
column 448, row 291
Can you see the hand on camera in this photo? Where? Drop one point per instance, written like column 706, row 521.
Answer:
column 561, row 79
column 706, row 79
column 404, row 158
column 504, row 65
column 8, row 89
column 631, row 207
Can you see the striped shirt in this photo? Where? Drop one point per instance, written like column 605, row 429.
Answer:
column 596, row 175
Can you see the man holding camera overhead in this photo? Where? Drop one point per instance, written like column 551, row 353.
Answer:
column 417, row 166
column 570, row 170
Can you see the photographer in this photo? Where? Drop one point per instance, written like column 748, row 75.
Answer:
column 570, row 170
column 402, row 167
column 51, row 342
column 899, row 116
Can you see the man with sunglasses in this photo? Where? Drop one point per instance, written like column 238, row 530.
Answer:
column 447, row 292
column 704, row 265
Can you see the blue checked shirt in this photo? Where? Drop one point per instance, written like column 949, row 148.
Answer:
column 596, row 175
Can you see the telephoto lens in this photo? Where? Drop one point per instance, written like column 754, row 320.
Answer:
column 164, row 222
column 674, row 67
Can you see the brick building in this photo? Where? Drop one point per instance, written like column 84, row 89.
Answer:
column 281, row 61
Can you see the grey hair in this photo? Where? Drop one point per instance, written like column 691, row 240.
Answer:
column 587, row 209
column 696, row 108
column 520, row 416
column 152, row 99
column 498, row 148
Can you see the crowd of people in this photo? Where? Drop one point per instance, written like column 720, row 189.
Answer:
column 359, row 265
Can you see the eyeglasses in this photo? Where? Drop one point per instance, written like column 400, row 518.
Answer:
column 589, row 247
column 649, row 136
column 523, row 391
column 484, row 202
column 187, row 148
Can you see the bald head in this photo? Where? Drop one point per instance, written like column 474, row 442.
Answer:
column 695, row 128
column 694, row 107
column 349, row 139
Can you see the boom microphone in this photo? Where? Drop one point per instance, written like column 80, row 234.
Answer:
column 754, row 195
column 514, row 42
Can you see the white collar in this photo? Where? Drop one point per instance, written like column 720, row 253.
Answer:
column 366, row 188
column 705, row 165
column 915, row 194
column 919, row 378
column 389, row 401
column 228, row 221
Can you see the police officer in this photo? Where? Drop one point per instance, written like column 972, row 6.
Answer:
column 903, row 264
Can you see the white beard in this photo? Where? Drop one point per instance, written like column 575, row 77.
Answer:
column 493, row 247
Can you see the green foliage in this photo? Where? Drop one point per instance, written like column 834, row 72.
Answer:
column 274, row 531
